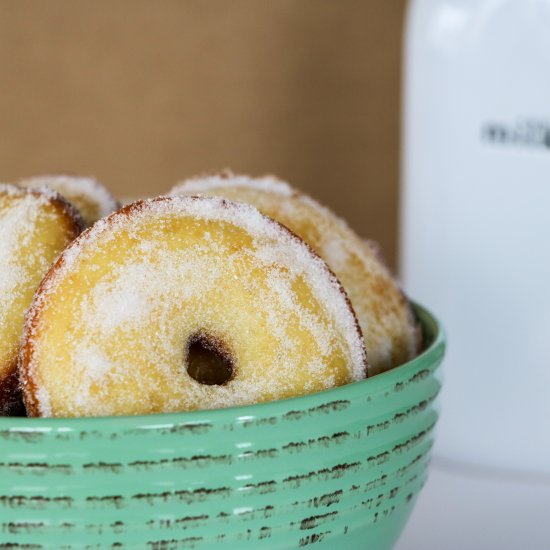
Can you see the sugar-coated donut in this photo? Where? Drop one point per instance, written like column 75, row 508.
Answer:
column 182, row 303
column 383, row 311
column 91, row 198
column 35, row 226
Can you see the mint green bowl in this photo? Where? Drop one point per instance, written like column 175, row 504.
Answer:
column 338, row 468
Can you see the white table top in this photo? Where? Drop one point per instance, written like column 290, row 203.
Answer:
column 465, row 508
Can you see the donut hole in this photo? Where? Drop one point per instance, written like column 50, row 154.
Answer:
column 207, row 360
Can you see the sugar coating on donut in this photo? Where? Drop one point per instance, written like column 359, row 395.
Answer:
column 108, row 329
column 34, row 227
column 227, row 179
column 92, row 199
column 383, row 311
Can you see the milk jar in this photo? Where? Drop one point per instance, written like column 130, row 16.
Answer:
column 475, row 218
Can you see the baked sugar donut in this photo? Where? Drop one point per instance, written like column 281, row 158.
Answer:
column 92, row 199
column 383, row 311
column 35, row 226
column 182, row 303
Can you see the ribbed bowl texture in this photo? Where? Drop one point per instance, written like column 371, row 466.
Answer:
column 336, row 469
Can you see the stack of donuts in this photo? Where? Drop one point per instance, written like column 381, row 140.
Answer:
column 227, row 291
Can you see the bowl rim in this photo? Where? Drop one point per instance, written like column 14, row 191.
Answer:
column 241, row 414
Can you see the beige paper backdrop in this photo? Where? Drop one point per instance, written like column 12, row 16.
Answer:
column 142, row 93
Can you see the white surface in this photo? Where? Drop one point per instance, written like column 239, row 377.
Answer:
column 464, row 508
column 475, row 226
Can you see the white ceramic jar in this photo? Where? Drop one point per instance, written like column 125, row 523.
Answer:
column 475, row 218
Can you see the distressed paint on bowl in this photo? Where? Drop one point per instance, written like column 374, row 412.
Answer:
column 342, row 466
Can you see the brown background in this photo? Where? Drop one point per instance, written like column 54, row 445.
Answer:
column 143, row 93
